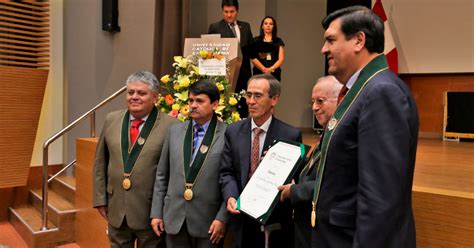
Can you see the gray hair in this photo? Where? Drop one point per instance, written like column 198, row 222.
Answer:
column 275, row 86
column 336, row 85
column 144, row 77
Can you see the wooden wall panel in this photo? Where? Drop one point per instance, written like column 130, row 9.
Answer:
column 443, row 220
column 20, row 104
column 90, row 226
column 428, row 91
column 24, row 26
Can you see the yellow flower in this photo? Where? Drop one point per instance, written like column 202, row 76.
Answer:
column 165, row 79
column 184, row 110
column 219, row 109
column 176, row 87
column 232, row 101
column 181, row 117
column 196, row 69
column 235, row 116
column 203, row 54
column 163, row 110
column 182, row 62
column 175, row 106
column 183, row 81
column 220, row 86
column 221, row 101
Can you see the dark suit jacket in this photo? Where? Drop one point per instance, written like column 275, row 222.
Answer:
column 365, row 196
column 236, row 164
column 207, row 203
column 301, row 195
column 135, row 203
column 246, row 37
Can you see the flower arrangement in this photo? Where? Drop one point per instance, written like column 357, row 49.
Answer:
column 174, row 97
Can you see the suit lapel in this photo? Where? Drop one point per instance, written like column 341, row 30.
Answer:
column 229, row 33
column 180, row 145
column 244, row 145
column 271, row 134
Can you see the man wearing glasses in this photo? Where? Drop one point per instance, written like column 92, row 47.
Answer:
column 245, row 142
column 324, row 103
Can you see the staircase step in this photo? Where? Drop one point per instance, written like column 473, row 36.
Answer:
column 65, row 186
column 28, row 222
column 55, row 200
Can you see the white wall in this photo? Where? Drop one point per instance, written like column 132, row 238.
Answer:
column 432, row 36
column 97, row 62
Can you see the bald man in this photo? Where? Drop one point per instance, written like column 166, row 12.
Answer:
column 324, row 103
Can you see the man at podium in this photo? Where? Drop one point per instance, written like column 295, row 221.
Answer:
column 230, row 27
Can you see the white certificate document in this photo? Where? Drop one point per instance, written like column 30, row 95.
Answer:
column 261, row 190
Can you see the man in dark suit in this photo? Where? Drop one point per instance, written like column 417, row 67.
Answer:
column 128, row 151
column 364, row 184
column 324, row 103
column 230, row 27
column 244, row 143
column 187, row 200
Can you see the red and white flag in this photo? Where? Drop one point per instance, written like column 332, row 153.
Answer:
column 390, row 48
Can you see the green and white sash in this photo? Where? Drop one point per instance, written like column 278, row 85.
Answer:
column 193, row 168
column 377, row 65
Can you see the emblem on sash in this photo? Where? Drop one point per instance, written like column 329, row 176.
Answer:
column 141, row 141
column 203, row 149
column 332, row 123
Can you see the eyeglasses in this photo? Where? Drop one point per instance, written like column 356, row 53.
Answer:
column 256, row 96
column 320, row 100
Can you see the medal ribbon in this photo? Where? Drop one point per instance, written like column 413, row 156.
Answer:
column 191, row 172
column 129, row 157
column 313, row 160
column 374, row 67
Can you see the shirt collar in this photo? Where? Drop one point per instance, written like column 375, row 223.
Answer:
column 353, row 79
column 205, row 125
column 143, row 119
column 264, row 126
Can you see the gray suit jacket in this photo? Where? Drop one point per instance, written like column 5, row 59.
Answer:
column 108, row 172
column 207, row 203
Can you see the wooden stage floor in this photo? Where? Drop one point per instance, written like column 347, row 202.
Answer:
column 443, row 192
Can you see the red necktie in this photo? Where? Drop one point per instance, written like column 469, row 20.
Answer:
column 134, row 130
column 342, row 93
column 255, row 151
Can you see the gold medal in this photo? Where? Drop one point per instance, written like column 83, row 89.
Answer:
column 188, row 194
column 313, row 214
column 203, row 149
column 126, row 183
column 332, row 123
column 141, row 141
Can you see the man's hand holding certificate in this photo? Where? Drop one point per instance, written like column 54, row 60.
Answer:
column 277, row 168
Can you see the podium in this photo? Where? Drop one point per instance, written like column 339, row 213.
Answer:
column 213, row 43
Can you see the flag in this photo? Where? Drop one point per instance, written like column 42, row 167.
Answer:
column 390, row 50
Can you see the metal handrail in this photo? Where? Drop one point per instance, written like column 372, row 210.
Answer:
column 46, row 144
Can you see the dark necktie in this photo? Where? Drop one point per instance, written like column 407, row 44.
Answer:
column 342, row 93
column 255, row 156
column 134, row 130
column 198, row 132
column 232, row 28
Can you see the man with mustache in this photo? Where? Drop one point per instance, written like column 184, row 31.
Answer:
column 187, row 200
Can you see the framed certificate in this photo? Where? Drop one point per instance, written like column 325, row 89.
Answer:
column 278, row 167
